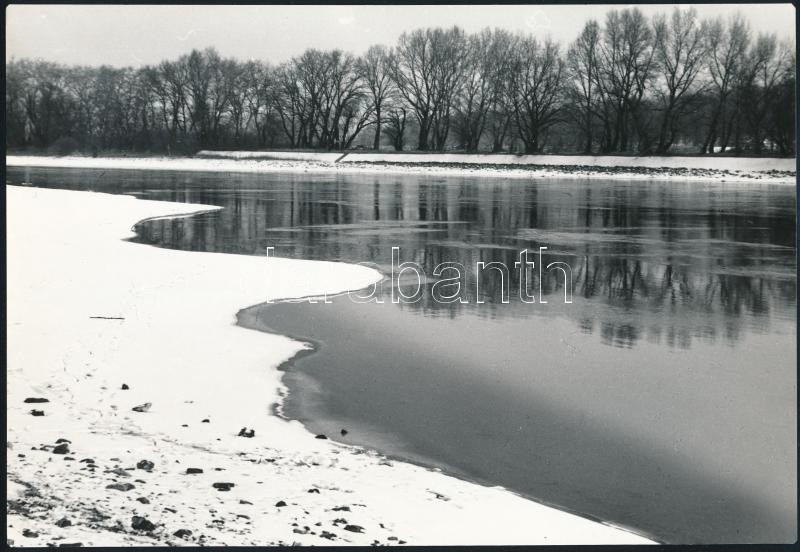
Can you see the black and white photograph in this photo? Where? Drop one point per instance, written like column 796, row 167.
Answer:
column 297, row 275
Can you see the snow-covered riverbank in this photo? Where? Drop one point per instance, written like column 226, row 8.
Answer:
column 700, row 169
column 98, row 326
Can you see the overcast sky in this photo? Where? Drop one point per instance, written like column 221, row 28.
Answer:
column 137, row 35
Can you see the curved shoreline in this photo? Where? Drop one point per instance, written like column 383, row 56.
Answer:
column 314, row 349
column 164, row 297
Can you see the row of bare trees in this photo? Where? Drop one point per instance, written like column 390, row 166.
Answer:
column 631, row 84
column 648, row 85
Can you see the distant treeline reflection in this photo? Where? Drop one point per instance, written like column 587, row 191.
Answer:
column 679, row 265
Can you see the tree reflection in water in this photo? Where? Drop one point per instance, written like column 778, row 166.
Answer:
column 681, row 260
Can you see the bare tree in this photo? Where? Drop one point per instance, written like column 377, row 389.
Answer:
column 484, row 69
column 291, row 103
column 680, row 49
column 261, row 100
column 626, row 68
column 781, row 117
column 726, row 45
column 208, row 93
column 167, row 83
column 344, row 108
column 765, row 68
column 174, row 76
column 45, row 102
column 373, row 69
column 80, row 86
column 425, row 69
column 238, row 83
column 582, row 63
column 355, row 107
column 16, row 119
column 501, row 113
column 537, row 77
column 448, row 46
column 412, row 72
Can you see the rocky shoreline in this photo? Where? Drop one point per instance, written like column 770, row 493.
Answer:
column 595, row 171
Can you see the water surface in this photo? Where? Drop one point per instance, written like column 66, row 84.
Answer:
column 662, row 398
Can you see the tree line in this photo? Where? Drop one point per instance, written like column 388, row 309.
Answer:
column 631, row 84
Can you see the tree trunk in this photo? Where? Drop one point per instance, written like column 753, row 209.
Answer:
column 588, row 147
column 376, row 144
column 662, row 133
column 422, row 143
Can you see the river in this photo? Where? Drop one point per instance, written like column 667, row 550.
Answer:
column 662, row 397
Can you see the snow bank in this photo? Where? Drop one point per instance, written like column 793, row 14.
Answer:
column 360, row 164
column 168, row 164
column 273, row 155
column 88, row 312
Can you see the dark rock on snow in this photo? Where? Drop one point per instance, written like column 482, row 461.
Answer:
column 223, row 486
column 354, row 528
column 35, row 412
column 244, row 432
column 142, row 407
column 142, row 524
column 63, row 522
column 63, row 448
column 146, row 465
column 143, row 500
column 36, row 400
column 280, row 504
column 120, row 486
column 192, row 471
column 321, row 436
column 125, row 387
column 182, row 533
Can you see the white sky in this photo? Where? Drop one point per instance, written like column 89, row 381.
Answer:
column 122, row 35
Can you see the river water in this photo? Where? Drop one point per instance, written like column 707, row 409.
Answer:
column 661, row 398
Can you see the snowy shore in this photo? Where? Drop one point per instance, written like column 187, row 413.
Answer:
column 98, row 325
column 698, row 169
